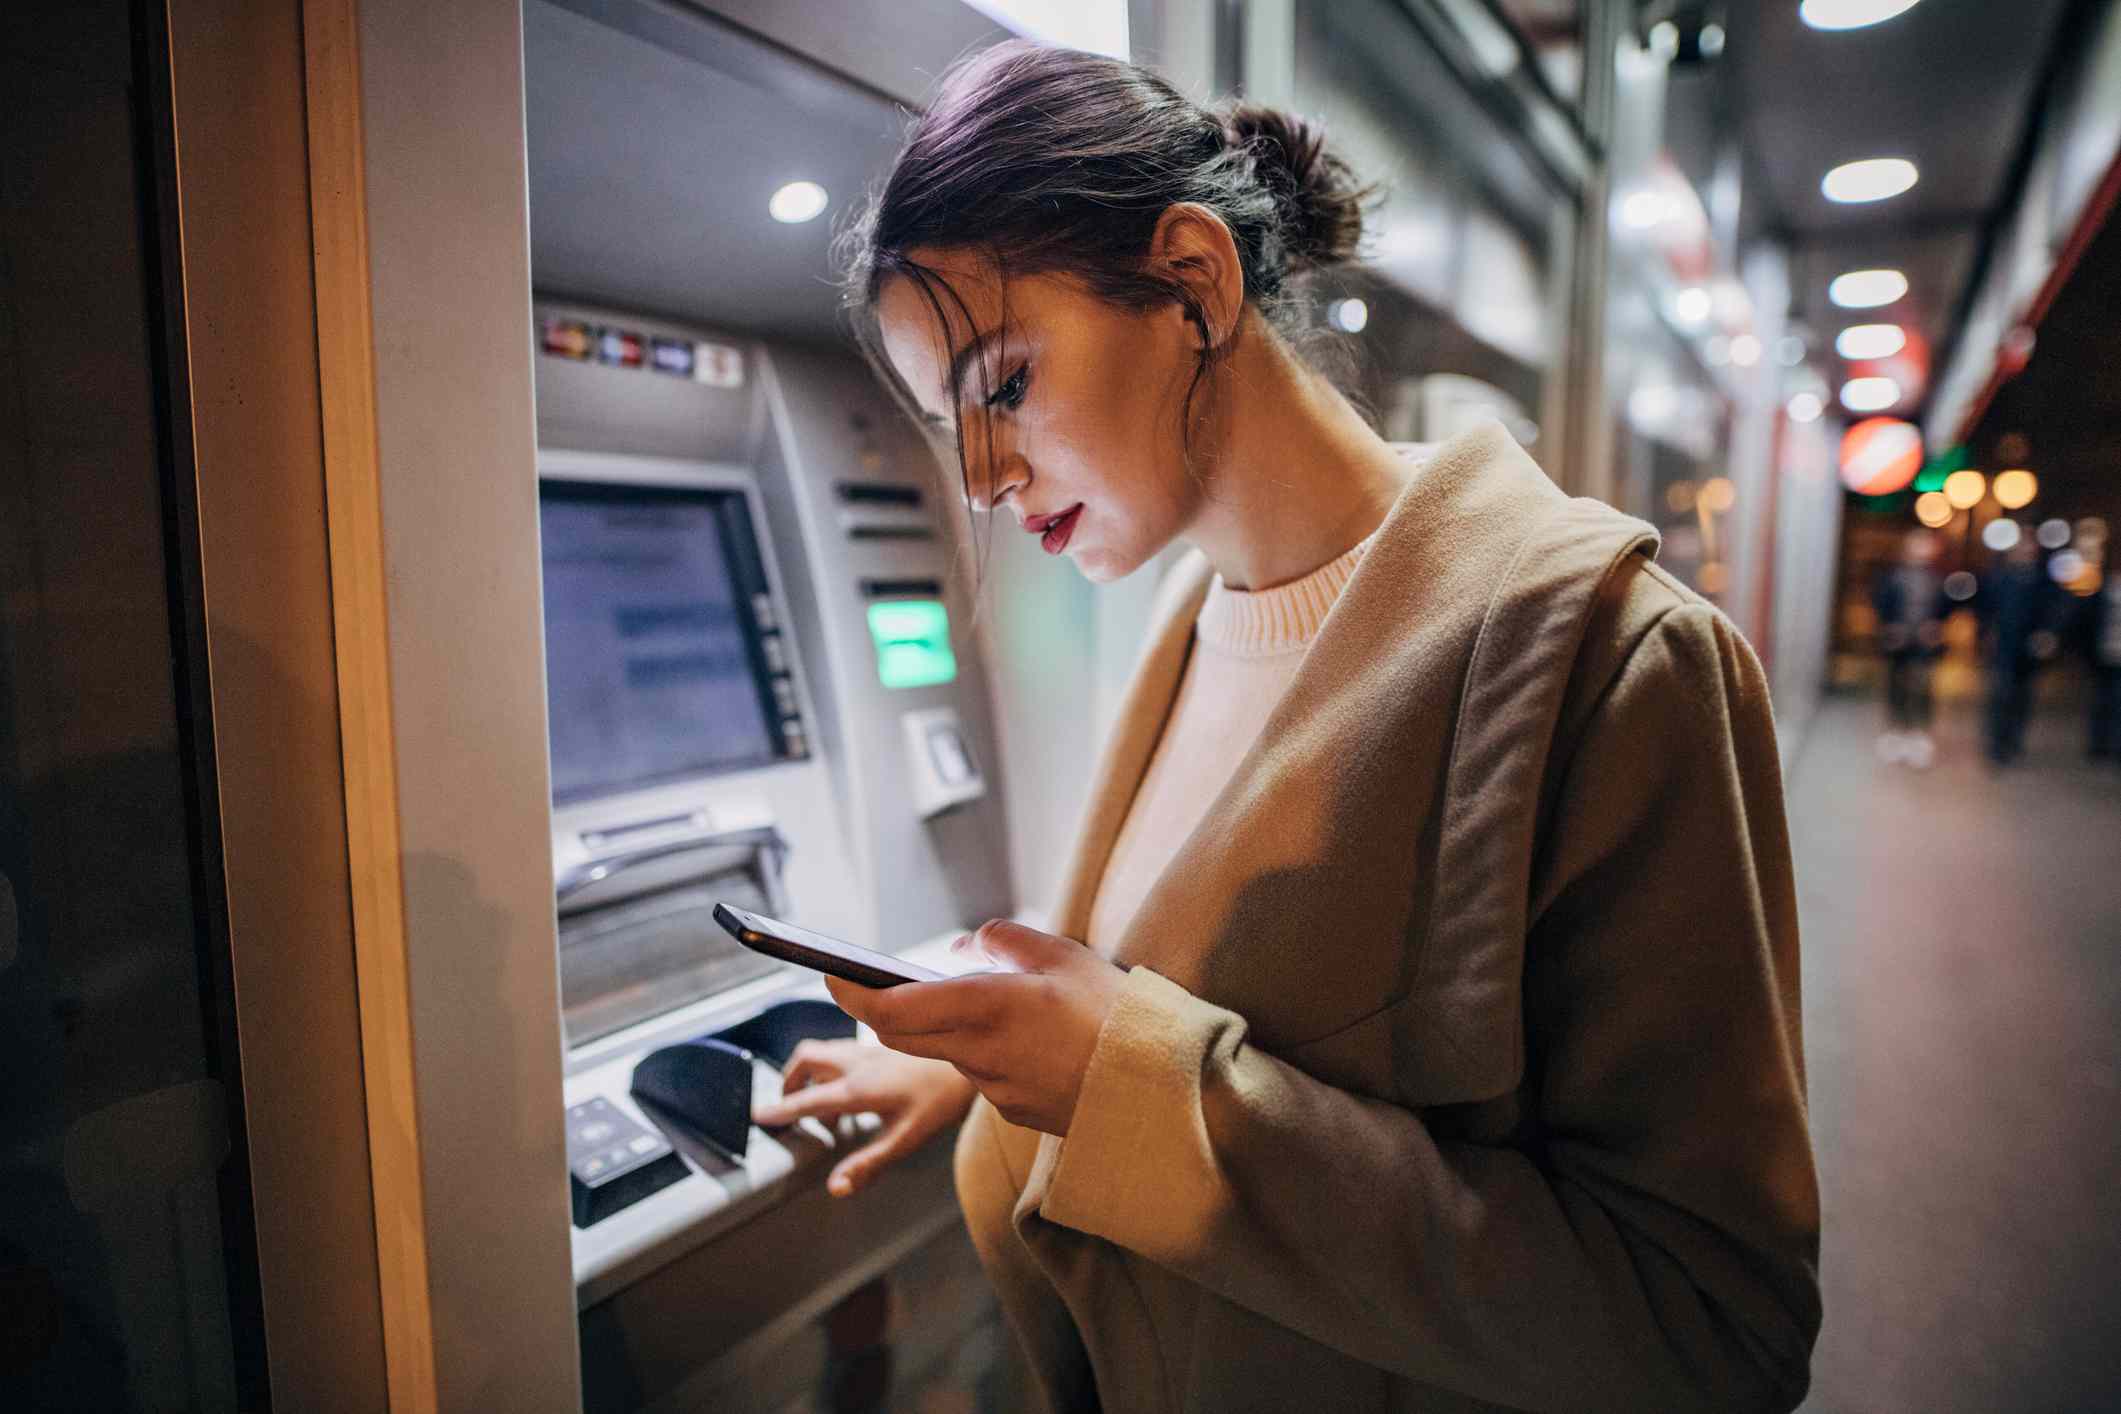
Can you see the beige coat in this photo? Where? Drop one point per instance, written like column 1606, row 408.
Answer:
column 1458, row 1065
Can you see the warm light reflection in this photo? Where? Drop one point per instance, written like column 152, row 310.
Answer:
column 1933, row 510
column 1718, row 495
column 2016, row 489
column 1965, row 489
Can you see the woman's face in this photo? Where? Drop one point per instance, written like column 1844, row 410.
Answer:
column 1079, row 401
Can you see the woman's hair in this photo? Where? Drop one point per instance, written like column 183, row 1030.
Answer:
column 1056, row 161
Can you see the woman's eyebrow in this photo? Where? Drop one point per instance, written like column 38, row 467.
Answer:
column 962, row 359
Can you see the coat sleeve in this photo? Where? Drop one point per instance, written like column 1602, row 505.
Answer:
column 1653, row 1244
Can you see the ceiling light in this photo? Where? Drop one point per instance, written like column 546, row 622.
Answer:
column 1805, row 407
column 1664, row 39
column 1872, row 179
column 1850, row 14
column 1642, row 210
column 1712, row 38
column 1867, row 289
column 1860, row 341
column 1869, row 394
column 797, row 202
column 1745, row 350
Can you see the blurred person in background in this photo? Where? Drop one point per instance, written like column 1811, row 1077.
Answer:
column 2103, row 741
column 1911, row 605
column 2018, row 608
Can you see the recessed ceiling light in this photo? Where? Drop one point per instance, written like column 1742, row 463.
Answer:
column 1872, row 179
column 1867, row 289
column 1860, row 341
column 1869, row 394
column 1851, row 14
column 797, row 202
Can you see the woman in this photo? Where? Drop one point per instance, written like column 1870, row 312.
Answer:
column 1420, row 1025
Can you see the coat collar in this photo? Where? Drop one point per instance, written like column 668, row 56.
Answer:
column 1452, row 537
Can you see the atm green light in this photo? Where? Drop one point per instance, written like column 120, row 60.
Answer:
column 912, row 638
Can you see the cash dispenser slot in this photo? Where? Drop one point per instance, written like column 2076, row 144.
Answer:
column 637, row 932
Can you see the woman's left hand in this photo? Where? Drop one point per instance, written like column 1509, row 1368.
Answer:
column 1023, row 1034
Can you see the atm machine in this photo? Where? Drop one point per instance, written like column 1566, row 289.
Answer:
column 761, row 692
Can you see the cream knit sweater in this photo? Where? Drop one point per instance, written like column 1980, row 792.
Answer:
column 1247, row 646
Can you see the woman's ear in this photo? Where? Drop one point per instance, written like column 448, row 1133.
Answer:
column 1193, row 246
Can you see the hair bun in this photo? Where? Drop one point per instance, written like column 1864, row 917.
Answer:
column 1320, row 201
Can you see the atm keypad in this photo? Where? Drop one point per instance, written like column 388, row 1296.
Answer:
column 613, row 1160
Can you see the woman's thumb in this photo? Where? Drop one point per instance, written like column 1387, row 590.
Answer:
column 1020, row 948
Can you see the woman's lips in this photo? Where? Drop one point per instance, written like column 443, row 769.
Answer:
column 1059, row 528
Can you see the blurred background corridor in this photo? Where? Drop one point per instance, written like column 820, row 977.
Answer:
column 336, row 918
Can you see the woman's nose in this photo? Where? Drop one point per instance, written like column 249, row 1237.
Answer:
column 984, row 493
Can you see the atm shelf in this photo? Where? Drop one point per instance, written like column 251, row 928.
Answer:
column 714, row 1198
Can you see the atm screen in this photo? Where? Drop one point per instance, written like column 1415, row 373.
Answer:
column 662, row 659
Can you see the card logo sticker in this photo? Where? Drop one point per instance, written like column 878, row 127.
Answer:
column 718, row 365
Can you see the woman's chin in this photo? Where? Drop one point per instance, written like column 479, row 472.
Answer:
column 1099, row 567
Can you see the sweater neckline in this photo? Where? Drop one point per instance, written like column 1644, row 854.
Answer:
column 1253, row 623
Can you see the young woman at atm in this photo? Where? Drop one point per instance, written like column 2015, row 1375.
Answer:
column 1420, row 1026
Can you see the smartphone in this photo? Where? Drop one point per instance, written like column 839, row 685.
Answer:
column 818, row 952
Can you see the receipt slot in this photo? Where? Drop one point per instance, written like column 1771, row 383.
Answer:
column 939, row 764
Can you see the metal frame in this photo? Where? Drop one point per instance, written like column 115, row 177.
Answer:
column 226, row 90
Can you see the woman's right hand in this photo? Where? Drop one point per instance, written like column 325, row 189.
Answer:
column 914, row 1096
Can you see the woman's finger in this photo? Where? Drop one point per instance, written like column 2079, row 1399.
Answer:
column 828, row 1099
column 858, row 1168
column 809, row 1070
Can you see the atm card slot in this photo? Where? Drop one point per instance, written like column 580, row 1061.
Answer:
column 874, row 530
column 902, row 588
column 878, row 493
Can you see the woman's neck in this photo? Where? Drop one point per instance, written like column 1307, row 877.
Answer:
column 1296, row 477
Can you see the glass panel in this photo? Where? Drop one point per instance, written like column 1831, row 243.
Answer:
column 121, row 1174
column 1554, row 30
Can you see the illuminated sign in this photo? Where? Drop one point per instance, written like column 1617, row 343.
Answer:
column 912, row 638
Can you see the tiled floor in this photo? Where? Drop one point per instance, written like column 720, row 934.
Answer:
column 1962, row 978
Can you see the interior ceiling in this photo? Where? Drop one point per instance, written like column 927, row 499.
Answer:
column 1950, row 85
column 656, row 138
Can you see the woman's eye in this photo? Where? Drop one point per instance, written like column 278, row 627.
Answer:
column 1011, row 393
